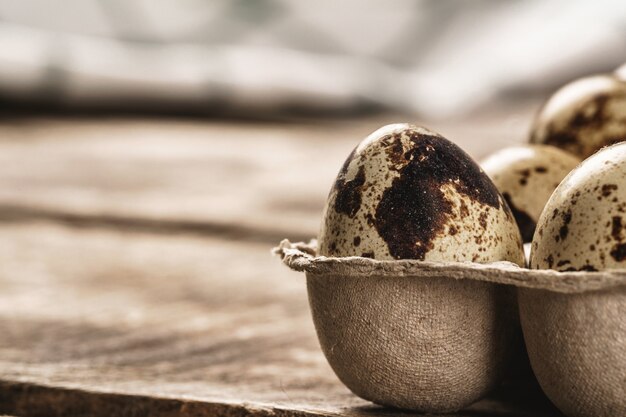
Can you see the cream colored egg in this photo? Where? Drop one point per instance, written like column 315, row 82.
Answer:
column 526, row 176
column 408, row 193
column 583, row 226
column 583, row 116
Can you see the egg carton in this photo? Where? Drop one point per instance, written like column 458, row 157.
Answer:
column 436, row 337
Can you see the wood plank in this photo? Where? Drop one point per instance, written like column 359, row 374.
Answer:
column 101, row 322
column 251, row 180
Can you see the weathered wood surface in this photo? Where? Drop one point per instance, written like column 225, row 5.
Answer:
column 136, row 278
column 257, row 181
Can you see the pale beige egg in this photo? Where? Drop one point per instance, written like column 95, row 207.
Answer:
column 526, row 176
column 406, row 192
column 583, row 226
column 583, row 116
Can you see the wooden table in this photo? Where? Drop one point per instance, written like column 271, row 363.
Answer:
column 135, row 268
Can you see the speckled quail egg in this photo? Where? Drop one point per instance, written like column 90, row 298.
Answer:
column 583, row 116
column 406, row 192
column 526, row 176
column 583, row 226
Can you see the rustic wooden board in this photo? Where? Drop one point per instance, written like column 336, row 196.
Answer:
column 259, row 181
column 97, row 322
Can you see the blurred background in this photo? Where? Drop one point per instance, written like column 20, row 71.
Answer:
column 152, row 152
column 428, row 57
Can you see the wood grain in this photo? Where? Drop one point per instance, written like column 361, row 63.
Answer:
column 258, row 181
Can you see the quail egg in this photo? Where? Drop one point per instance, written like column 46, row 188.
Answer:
column 583, row 226
column 406, row 192
column 583, row 116
column 526, row 175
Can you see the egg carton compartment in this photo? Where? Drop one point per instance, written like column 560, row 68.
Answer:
column 438, row 336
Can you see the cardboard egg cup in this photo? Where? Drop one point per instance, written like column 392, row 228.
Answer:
column 436, row 337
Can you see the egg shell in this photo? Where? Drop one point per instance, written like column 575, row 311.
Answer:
column 526, row 176
column 583, row 116
column 406, row 192
column 583, row 225
column 577, row 342
column 431, row 345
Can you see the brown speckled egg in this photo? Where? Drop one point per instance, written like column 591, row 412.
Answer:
column 583, row 226
column 583, row 116
column 526, row 175
column 406, row 192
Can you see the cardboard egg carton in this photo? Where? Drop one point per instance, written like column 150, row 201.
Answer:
column 436, row 337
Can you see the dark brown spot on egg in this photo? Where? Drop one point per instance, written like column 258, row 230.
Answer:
column 588, row 268
column 348, row 196
column 524, row 222
column 616, row 228
column 541, row 170
column 607, row 189
column 394, row 150
column 367, row 255
column 561, row 139
column 452, row 230
column 482, row 220
column 564, row 229
column 524, row 174
column 555, row 213
column 357, row 240
column 619, row 252
column 549, row 260
column 413, row 211
column 592, row 114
